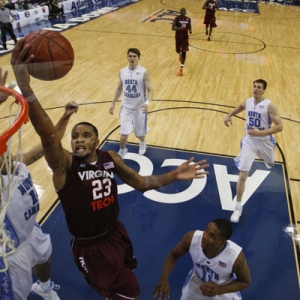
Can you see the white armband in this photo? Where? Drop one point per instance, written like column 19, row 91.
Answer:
column 147, row 102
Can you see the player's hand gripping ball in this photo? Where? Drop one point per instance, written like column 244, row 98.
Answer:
column 53, row 55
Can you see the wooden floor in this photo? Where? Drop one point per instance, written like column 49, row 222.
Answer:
column 187, row 112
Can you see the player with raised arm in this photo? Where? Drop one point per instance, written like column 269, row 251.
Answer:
column 85, row 183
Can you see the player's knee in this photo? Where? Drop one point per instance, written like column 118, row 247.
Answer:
column 243, row 176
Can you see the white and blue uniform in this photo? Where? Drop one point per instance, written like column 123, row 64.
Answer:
column 133, row 97
column 32, row 245
column 217, row 269
column 252, row 146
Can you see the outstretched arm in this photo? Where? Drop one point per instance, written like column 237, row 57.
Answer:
column 57, row 158
column 163, row 287
column 235, row 111
column 185, row 171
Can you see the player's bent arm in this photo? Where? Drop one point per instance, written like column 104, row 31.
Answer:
column 242, row 272
column 185, row 171
column 174, row 27
column 118, row 91
column 179, row 250
column 276, row 119
column 238, row 109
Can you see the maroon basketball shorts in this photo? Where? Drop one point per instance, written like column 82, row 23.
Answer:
column 210, row 20
column 107, row 263
column 182, row 44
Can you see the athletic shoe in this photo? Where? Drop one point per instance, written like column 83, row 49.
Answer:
column 180, row 57
column 180, row 71
column 235, row 217
column 269, row 166
column 122, row 152
column 208, row 38
column 46, row 294
column 142, row 149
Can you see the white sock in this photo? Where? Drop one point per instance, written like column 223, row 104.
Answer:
column 46, row 284
column 238, row 205
column 181, row 66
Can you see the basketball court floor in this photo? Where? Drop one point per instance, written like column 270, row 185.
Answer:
column 157, row 220
column 183, row 124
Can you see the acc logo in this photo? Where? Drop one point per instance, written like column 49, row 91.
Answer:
column 27, row 14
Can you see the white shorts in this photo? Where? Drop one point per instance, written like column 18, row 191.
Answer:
column 133, row 120
column 191, row 290
column 250, row 148
column 17, row 281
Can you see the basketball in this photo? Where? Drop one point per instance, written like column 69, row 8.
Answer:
column 53, row 55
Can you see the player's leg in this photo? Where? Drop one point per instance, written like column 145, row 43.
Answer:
column 41, row 251
column 266, row 152
column 107, row 263
column 240, row 187
column 123, row 142
column 206, row 22
column 3, row 36
column 11, row 33
column 140, row 129
column 125, row 130
column 184, row 48
column 177, row 47
column 210, row 31
column 212, row 24
column 243, row 162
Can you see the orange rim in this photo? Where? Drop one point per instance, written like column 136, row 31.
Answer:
column 4, row 137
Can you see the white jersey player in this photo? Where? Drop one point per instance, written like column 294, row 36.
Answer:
column 220, row 269
column 32, row 247
column 258, row 141
column 135, row 87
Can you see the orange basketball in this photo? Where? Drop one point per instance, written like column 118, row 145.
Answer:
column 53, row 54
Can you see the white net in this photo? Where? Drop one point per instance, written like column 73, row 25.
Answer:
column 8, row 183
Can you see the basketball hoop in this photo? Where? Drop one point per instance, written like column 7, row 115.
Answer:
column 8, row 169
column 21, row 118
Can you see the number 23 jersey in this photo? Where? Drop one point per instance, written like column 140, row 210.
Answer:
column 89, row 197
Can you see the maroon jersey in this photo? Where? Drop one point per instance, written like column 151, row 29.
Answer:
column 212, row 7
column 90, row 196
column 183, row 22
